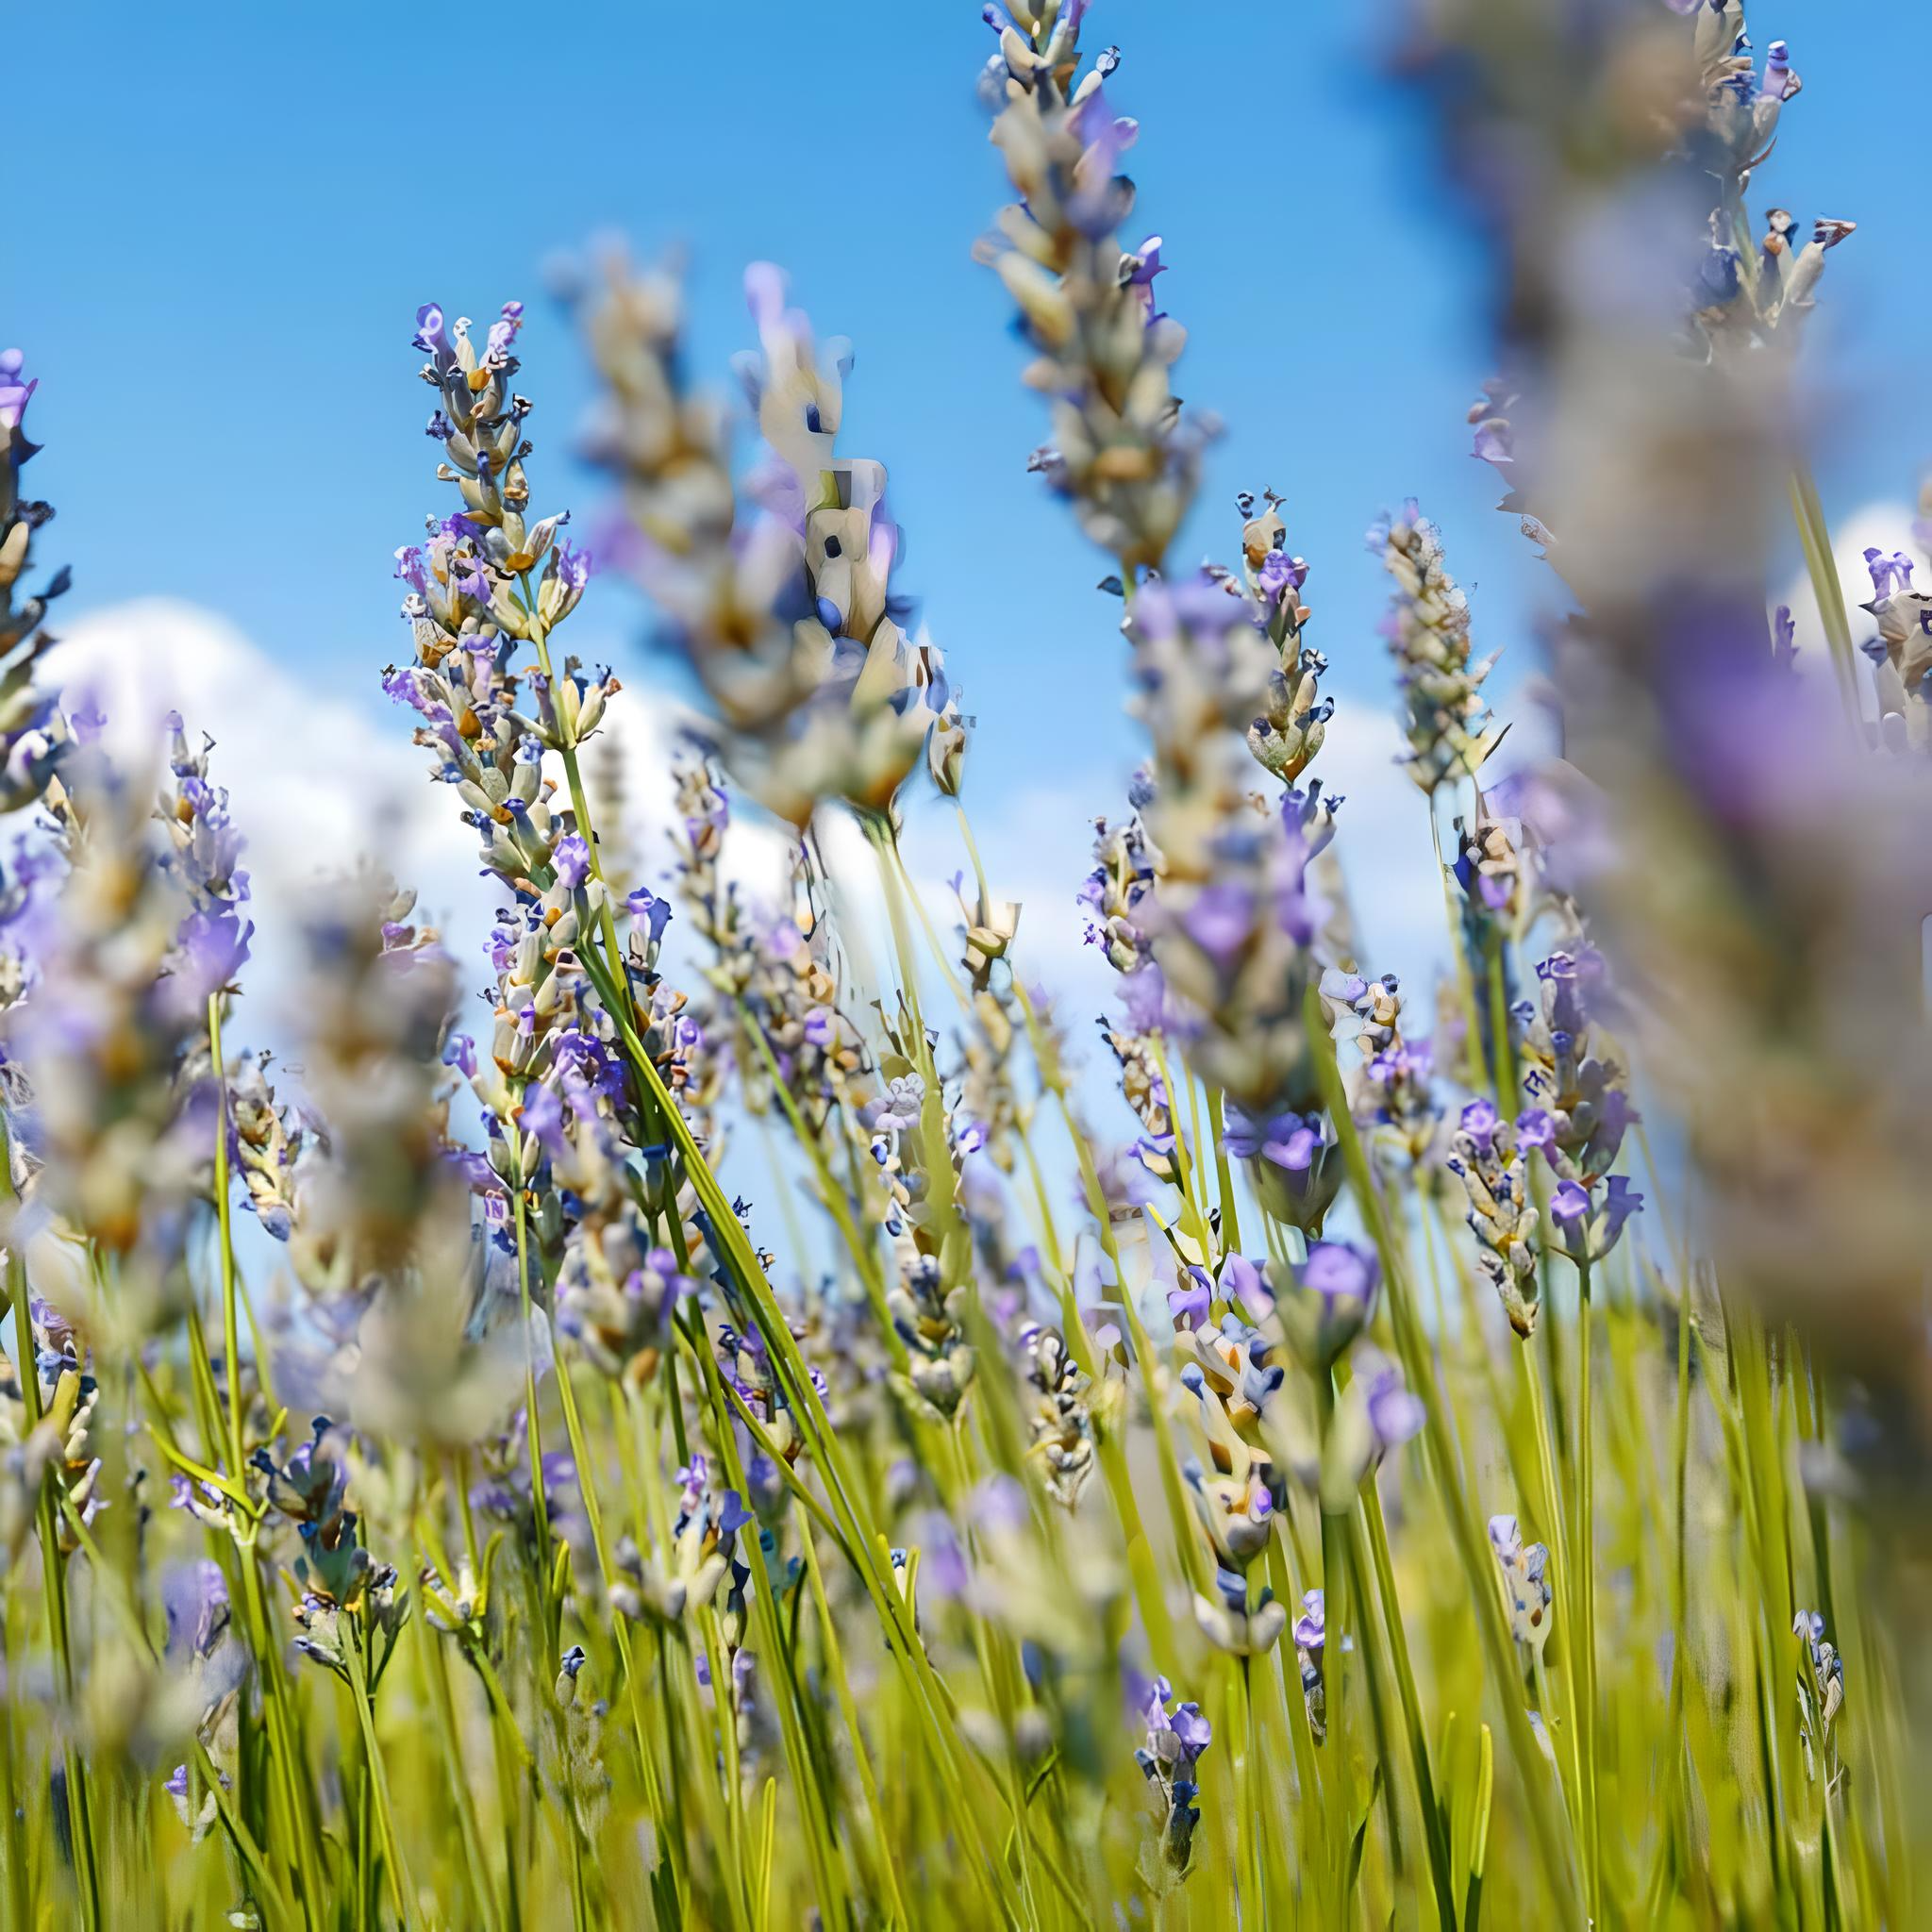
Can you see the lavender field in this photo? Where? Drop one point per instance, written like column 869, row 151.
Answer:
column 719, row 1398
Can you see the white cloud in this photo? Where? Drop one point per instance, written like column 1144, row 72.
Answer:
column 1382, row 839
column 316, row 779
column 320, row 775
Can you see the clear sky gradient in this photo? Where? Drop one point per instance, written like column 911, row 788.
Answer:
column 225, row 216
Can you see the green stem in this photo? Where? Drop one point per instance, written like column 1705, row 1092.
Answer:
column 402, row 1892
column 533, row 1437
column 1583, row 1579
column 1471, row 1547
column 1814, row 539
column 1435, row 1827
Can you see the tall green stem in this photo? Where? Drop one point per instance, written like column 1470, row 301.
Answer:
column 1583, row 1576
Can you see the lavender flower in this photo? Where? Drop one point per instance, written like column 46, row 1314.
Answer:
column 1492, row 1164
column 1175, row 1743
column 783, row 606
column 1527, row 1593
column 1448, row 728
column 1334, row 1296
column 33, row 736
column 1310, row 1637
column 1122, row 450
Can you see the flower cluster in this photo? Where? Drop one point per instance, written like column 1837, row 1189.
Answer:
column 1122, row 450
column 1393, row 1089
column 112, row 1040
column 471, row 601
column 783, row 606
column 1819, row 1698
column 1581, row 1106
column 1176, row 1742
column 33, row 735
column 1527, row 1593
column 1234, row 915
column 1492, row 1163
column 1900, row 651
column 1445, row 720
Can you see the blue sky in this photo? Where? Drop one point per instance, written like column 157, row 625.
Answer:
column 227, row 216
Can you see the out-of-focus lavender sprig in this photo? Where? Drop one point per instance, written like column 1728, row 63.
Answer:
column 1122, row 450
column 1212, row 903
column 1747, row 862
column 206, row 861
column 407, row 1326
column 118, row 1117
column 782, row 605
column 1526, row 1591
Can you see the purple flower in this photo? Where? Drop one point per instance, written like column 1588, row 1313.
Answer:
column 1621, row 1201
column 1193, row 1730
column 541, row 1115
column 1245, row 1285
column 1221, row 922
column 1175, row 1740
column 1147, row 265
column 941, row 1562
column 1336, row 1294
column 1285, row 1139
column 1479, row 1122
column 196, row 1598
column 1570, row 1203
column 211, row 949
column 1341, row 1271
column 429, row 337
column 15, row 390
column 649, row 915
column 897, row 1108
column 1143, row 997
column 1280, row 574
column 1188, row 1299
column 572, row 859
column 504, row 332
column 691, row 1480
column 1395, row 1411
column 1890, row 574
column 1310, row 1629
column 1535, row 1129
column 1492, row 442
